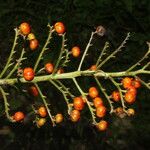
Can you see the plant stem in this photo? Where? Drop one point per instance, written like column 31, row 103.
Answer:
column 45, row 103
column 11, row 53
column 86, row 49
column 44, row 47
column 71, row 75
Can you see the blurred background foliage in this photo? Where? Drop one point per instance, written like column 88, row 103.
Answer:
column 80, row 17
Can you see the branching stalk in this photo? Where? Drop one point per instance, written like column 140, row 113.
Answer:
column 45, row 103
column 11, row 53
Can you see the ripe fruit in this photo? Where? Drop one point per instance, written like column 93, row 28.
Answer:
column 34, row 44
column 101, row 111
column 18, row 116
column 75, row 51
column 49, row 68
column 102, row 125
column 59, row 27
column 59, row 118
column 34, row 91
column 132, row 89
column 116, row 96
column 127, row 82
column 93, row 92
column 136, row 83
column 130, row 112
column 75, row 115
column 59, row 71
column 31, row 36
column 93, row 68
column 130, row 97
column 41, row 122
column 28, row 74
column 78, row 103
column 119, row 110
column 97, row 102
column 25, row 28
column 42, row 111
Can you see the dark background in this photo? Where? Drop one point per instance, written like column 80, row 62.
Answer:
column 80, row 18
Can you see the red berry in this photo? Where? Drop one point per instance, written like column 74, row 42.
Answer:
column 28, row 74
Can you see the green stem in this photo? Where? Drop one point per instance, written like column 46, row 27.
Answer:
column 105, row 94
column 44, row 47
column 120, row 92
column 11, row 53
column 86, row 50
column 64, row 95
column 6, row 105
column 60, row 55
column 17, row 64
column 45, row 103
column 85, row 98
column 71, row 75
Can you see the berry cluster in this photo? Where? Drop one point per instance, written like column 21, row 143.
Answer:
column 52, row 72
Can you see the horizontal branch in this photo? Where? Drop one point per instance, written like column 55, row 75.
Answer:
column 74, row 74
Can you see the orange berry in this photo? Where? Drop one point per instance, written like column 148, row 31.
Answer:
column 116, row 96
column 49, row 68
column 75, row 115
column 59, row 27
column 127, row 82
column 34, row 44
column 42, row 111
column 93, row 92
column 130, row 97
column 102, row 125
column 78, row 103
column 101, row 111
column 31, row 36
column 93, row 68
column 28, row 74
column 136, row 83
column 41, row 122
column 75, row 51
column 25, row 28
column 97, row 102
column 18, row 116
column 59, row 118
column 130, row 112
